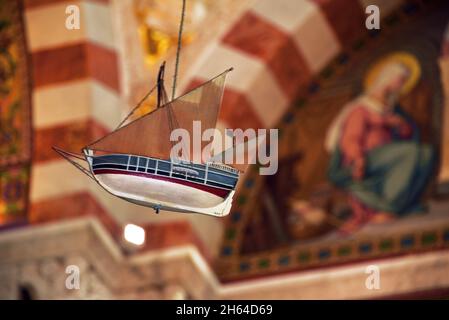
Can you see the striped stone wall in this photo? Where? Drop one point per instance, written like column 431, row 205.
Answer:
column 276, row 49
column 76, row 87
column 77, row 99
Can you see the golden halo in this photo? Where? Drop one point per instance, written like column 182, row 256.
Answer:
column 406, row 59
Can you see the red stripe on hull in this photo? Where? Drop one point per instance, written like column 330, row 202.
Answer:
column 216, row 191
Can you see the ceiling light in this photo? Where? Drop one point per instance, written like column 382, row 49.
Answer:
column 134, row 234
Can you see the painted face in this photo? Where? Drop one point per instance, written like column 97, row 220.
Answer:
column 393, row 89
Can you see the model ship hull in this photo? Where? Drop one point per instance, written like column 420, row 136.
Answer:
column 166, row 185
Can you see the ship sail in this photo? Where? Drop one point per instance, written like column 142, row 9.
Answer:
column 240, row 155
column 137, row 161
column 150, row 134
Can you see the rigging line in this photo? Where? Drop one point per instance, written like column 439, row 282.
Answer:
column 72, row 154
column 172, row 121
column 129, row 114
column 137, row 106
column 178, row 50
column 66, row 155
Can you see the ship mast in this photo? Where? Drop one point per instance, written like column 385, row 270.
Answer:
column 161, row 95
column 178, row 49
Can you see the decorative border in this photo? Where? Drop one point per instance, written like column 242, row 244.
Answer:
column 15, row 169
column 313, row 256
column 24, row 77
column 232, row 266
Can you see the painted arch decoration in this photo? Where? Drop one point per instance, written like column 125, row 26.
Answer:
column 301, row 89
column 15, row 116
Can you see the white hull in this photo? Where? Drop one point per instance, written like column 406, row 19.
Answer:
column 164, row 195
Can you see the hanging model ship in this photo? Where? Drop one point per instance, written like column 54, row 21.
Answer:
column 134, row 161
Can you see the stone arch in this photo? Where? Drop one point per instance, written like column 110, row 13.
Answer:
column 235, row 264
column 276, row 55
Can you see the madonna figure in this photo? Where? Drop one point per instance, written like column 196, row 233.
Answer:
column 376, row 154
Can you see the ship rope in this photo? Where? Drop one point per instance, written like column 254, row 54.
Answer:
column 127, row 117
column 69, row 155
column 137, row 106
column 172, row 121
column 178, row 50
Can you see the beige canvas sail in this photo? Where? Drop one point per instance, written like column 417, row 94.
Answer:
column 150, row 134
column 242, row 154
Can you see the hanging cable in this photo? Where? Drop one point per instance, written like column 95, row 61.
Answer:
column 178, row 50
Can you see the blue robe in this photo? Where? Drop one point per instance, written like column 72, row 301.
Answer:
column 395, row 177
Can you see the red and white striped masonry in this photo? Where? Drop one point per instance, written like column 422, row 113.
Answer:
column 275, row 48
column 76, row 99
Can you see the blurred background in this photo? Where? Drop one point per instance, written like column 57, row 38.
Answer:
column 297, row 63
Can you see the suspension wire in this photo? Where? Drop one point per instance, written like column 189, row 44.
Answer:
column 178, row 50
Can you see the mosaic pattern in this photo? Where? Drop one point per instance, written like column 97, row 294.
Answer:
column 345, row 252
column 13, row 197
column 15, row 124
column 234, row 265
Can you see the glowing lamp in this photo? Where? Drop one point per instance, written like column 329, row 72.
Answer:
column 134, row 234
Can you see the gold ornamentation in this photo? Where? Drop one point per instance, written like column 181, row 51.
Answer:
column 401, row 57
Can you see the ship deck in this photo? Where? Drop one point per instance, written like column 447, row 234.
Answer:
column 210, row 174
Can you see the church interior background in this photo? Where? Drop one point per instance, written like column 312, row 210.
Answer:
column 296, row 64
